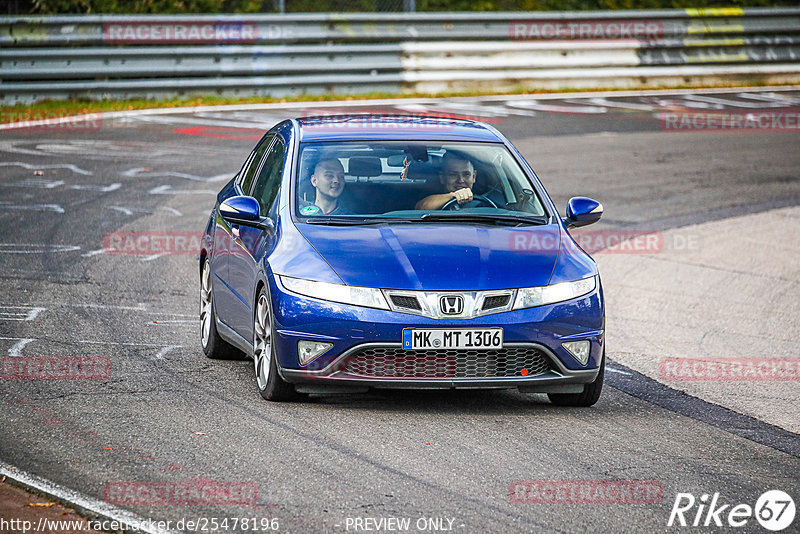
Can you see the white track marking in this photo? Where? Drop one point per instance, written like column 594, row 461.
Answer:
column 38, row 184
column 283, row 106
column 31, row 207
column 465, row 109
column 122, row 344
column 206, row 121
column 130, row 211
column 16, row 349
column 95, row 342
column 26, row 313
column 605, row 102
column 29, row 248
column 556, row 108
column 151, row 257
column 163, row 352
column 619, row 371
column 91, row 149
column 782, row 100
column 126, row 211
column 51, row 184
column 219, row 178
column 167, row 190
column 140, row 172
column 83, row 503
column 139, row 307
column 732, row 103
column 771, row 97
column 94, row 252
column 671, row 104
column 73, row 168
column 101, row 188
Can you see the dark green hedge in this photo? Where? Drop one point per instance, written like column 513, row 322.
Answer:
column 48, row 7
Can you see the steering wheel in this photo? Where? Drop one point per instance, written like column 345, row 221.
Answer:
column 476, row 202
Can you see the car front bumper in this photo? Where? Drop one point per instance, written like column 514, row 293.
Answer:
column 367, row 349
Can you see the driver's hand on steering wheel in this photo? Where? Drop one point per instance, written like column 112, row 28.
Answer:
column 462, row 195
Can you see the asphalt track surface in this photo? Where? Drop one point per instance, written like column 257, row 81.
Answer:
column 167, row 414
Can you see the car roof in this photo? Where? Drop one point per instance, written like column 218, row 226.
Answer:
column 379, row 127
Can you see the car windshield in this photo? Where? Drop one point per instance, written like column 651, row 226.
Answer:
column 370, row 182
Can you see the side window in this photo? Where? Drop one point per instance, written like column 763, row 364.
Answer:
column 250, row 172
column 269, row 179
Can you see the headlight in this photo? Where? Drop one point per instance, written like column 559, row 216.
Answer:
column 357, row 296
column 529, row 297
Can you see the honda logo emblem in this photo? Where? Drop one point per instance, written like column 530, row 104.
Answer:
column 451, row 304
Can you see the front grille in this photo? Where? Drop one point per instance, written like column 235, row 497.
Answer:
column 410, row 303
column 497, row 301
column 395, row 362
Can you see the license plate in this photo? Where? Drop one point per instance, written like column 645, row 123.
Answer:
column 460, row 338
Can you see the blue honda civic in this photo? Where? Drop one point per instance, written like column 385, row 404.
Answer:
column 360, row 251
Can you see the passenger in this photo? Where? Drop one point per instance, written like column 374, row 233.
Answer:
column 457, row 178
column 328, row 182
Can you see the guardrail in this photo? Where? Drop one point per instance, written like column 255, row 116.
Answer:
column 269, row 55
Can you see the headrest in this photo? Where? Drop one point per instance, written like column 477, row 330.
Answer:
column 364, row 166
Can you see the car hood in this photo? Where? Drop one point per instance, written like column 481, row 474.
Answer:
column 438, row 256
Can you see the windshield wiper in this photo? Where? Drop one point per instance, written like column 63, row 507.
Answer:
column 513, row 220
column 486, row 218
column 353, row 221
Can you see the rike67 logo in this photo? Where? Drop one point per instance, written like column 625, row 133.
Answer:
column 774, row 510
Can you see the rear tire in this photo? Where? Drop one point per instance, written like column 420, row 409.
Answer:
column 213, row 345
column 588, row 397
column 271, row 386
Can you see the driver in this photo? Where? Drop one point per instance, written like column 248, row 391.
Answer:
column 328, row 182
column 457, row 177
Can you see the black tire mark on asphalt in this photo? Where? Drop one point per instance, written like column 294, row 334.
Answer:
column 645, row 388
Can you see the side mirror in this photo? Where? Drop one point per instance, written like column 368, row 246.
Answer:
column 582, row 211
column 244, row 210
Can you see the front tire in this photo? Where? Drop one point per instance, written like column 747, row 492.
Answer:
column 588, row 397
column 271, row 386
column 213, row 345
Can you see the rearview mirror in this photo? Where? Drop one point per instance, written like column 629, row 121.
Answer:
column 582, row 211
column 244, row 210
